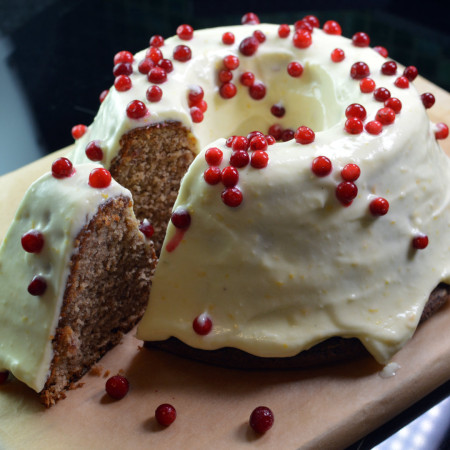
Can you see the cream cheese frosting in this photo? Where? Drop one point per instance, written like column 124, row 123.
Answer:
column 291, row 266
column 59, row 209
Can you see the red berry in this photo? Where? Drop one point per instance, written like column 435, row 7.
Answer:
column 62, row 168
column 252, row 134
column 240, row 143
column 213, row 156
column 38, row 286
column 321, row 166
column 32, row 241
column 259, row 159
column 196, row 114
column 420, row 242
column 258, row 142
column 381, row 94
column 385, row 115
column 4, row 376
column 228, row 38
column 230, row 176
column 303, row 25
column 250, row 19
column 346, row 192
column 166, row 64
column 359, row 70
column 379, row 206
column 78, row 131
column 295, row 69
column 312, row 20
column 154, row 54
column 428, row 99
column 157, row 75
column 154, row 94
column 441, row 131
column 145, row 66
column 304, row 135
column 202, row 324
column 402, row 82
column 367, row 85
column 122, row 69
column 275, row 130
column 247, row 78
column 374, row 127
column 117, row 387
column 278, row 110
column 381, row 50
column 182, row 53
column 257, row 91
column 394, row 103
column 227, row 90
column 350, row 172
column 122, row 83
column 302, row 38
column 232, row 197
column 185, row 32
column 239, row 158
column 284, row 30
column 287, row 135
column 389, row 68
column 353, row 125
column 94, row 151
column 165, row 414
column 195, row 95
column 361, row 39
column 410, row 72
column 225, row 75
column 103, row 95
column 146, row 228
column 332, row 27
column 181, row 218
column 249, row 46
column 337, row 55
column 123, row 57
column 212, row 175
column 260, row 36
column 156, row 41
column 356, row 110
column 270, row 139
column 229, row 141
column 231, row 62
column 99, row 178
column 261, row 419
column 202, row 105
column 136, row 109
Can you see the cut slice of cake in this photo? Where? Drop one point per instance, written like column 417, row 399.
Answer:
column 74, row 275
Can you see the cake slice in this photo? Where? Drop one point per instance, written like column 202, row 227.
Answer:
column 74, row 275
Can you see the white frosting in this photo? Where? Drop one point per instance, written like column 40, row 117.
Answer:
column 58, row 208
column 291, row 266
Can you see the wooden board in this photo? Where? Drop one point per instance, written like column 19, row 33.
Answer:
column 322, row 408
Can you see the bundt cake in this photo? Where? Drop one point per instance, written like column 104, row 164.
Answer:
column 322, row 234
column 74, row 275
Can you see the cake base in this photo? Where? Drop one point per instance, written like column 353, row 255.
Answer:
column 330, row 351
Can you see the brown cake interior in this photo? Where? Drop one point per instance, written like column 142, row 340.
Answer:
column 151, row 163
column 106, row 294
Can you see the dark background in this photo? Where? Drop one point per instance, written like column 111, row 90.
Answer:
column 59, row 53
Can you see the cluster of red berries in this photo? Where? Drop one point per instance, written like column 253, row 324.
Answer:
column 196, row 103
column 257, row 143
column 356, row 115
column 118, row 386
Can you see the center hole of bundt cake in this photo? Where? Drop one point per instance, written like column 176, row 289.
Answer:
column 310, row 99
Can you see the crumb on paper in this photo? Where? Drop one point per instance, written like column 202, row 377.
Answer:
column 96, row 371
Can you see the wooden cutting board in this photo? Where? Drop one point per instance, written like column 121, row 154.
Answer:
column 321, row 408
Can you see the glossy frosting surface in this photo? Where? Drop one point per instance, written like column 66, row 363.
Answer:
column 59, row 209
